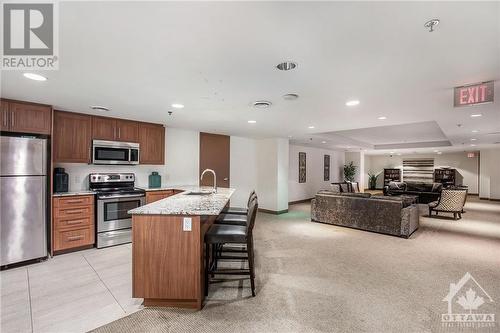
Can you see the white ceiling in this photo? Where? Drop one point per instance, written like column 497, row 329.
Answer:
column 217, row 57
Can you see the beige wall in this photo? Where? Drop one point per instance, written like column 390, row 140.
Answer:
column 490, row 174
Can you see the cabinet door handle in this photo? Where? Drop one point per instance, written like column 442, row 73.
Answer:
column 75, row 222
column 75, row 211
column 226, row 179
column 75, row 201
column 75, row 238
column 12, row 121
column 119, row 133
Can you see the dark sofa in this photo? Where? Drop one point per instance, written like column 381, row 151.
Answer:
column 396, row 216
column 426, row 192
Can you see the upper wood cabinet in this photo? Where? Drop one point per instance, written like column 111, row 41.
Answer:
column 104, row 128
column 72, row 137
column 23, row 117
column 4, row 112
column 152, row 143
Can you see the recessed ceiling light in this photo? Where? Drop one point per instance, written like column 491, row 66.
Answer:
column 177, row 106
column 399, row 154
column 261, row 104
column 439, row 153
column 311, row 127
column 475, row 115
column 323, row 141
column 36, row 77
column 475, row 131
column 473, row 139
column 99, row 108
column 472, row 145
column 286, row 65
column 382, row 118
column 252, row 121
column 290, row 97
column 352, row 103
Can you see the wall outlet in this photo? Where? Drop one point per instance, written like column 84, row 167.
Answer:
column 187, row 224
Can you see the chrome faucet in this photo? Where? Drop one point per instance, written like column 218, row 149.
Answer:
column 215, row 178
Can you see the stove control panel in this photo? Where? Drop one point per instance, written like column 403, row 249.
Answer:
column 111, row 177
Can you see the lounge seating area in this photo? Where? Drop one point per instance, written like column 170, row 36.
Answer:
column 397, row 216
column 426, row 192
column 450, row 201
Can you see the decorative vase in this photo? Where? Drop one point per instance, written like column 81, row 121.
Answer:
column 154, row 180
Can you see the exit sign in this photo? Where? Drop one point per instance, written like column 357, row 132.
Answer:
column 473, row 94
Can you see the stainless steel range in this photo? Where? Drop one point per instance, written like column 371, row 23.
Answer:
column 116, row 195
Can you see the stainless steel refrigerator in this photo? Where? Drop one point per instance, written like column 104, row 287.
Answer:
column 23, row 202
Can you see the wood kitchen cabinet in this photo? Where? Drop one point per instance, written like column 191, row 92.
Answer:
column 72, row 137
column 73, row 222
column 152, row 143
column 112, row 129
column 24, row 117
column 152, row 196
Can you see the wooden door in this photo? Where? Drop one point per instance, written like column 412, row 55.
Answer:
column 103, row 128
column 127, row 130
column 214, row 154
column 72, row 137
column 30, row 118
column 152, row 143
column 4, row 115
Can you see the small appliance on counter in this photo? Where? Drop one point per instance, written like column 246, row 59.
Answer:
column 154, row 180
column 61, row 180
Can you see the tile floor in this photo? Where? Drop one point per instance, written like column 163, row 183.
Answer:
column 74, row 292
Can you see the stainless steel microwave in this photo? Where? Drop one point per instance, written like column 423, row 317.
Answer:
column 114, row 152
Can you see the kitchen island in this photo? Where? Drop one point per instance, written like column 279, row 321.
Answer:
column 167, row 246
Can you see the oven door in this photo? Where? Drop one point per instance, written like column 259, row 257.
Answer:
column 112, row 212
column 111, row 155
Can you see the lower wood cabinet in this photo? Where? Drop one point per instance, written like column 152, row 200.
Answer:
column 73, row 222
column 152, row 196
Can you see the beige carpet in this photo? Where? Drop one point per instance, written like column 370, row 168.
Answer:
column 315, row 277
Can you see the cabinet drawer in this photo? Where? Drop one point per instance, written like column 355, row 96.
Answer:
column 74, row 212
column 153, row 196
column 73, row 223
column 74, row 201
column 73, row 238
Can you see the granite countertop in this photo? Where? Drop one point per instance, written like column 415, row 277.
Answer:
column 65, row 194
column 185, row 204
column 165, row 187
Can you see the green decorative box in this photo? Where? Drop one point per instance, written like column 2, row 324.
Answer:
column 154, row 180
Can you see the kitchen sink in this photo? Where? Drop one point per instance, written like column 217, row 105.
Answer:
column 202, row 192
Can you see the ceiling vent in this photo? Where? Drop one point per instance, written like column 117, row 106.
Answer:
column 286, row 66
column 261, row 104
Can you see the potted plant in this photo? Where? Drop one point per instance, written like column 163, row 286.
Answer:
column 349, row 172
column 372, row 180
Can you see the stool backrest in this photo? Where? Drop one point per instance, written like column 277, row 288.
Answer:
column 250, row 198
column 252, row 213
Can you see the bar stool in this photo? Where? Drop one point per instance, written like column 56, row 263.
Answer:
column 239, row 210
column 238, row 219
column 218, row 235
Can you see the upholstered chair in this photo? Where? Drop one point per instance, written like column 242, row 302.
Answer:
column 450, row 201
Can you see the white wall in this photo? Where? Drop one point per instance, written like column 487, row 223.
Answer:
column 243, row 169
column 272, row 174
column 466, row 167
column 358, row 159
column 314, row 171
column 490, row 174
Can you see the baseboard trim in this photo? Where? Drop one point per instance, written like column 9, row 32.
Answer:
column 300, row 201
column 274, row 212
column 489, row 199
